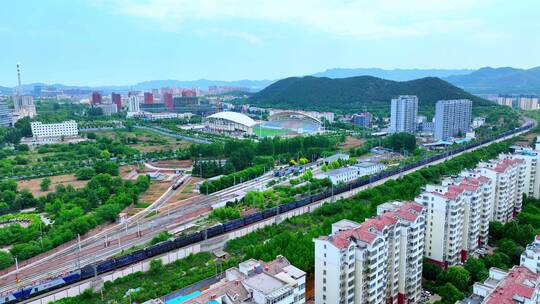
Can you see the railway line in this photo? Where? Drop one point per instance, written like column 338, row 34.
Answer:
column 113, row 263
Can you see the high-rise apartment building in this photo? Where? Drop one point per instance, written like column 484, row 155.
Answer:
column 96, row 98
column 167, row 99
column 6, row 118
column 457, row 217
column 531, row 159
column 134, row 103
column 378, row 261
column 116, row 99
column 452, row 117
column 531, row 256
column 148, row 98
column 403, row 114
column 508, row 176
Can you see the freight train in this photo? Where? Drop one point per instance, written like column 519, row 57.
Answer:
column 99, row 268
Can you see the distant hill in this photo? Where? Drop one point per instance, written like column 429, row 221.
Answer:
column 252, row 85
column 355, row 93
column 394, row 74
column 499, row 80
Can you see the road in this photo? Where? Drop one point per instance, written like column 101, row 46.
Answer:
column 137, row 230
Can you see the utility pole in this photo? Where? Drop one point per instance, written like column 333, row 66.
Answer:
column 17, row 270
column 79, row 251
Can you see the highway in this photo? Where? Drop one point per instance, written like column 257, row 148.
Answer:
column 138, row 229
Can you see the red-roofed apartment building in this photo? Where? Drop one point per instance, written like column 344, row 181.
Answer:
column 378, row 261
column 518, row 285
column 509, row 177
column 457, row 217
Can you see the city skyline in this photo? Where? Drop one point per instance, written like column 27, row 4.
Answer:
column 97, row 43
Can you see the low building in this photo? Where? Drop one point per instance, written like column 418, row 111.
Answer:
column 107, row 108
column 230, row 122
column 66, row 128
column 341, row 175
column 335, row 157
column 530, row 257
column 362, row 119
column 478, row 122
column 518, row 285
column 368, row 168
column 257, row 282
column 377, row 261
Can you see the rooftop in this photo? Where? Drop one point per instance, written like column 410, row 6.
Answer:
column 520, row 283
column 234, row 117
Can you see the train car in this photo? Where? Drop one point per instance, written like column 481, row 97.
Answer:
column 130, row 258
column 303, row 202
column 88, row 271
column 213, row 231
column 269, row 212
column 8, row 298
column 106, row 265
column 234, row 224
column 159, row 248
column 253, row 218
column 286, row 207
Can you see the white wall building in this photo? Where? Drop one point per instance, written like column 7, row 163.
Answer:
column 257, row 282
column 107, row 108
column 230, row 122
column 134, row 103
column 66, row 128
column 457, row 218
column 531, row 159
column 451, row 118
column 378, row 261
column 530, row 258
column 478, row 122
column 341, row 175
column 369, row 168
column 509, row 185
column 518, row 285
column 403, row 114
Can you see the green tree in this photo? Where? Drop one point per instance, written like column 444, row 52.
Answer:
column 45, row 183
column 457, row 276
column 85, row 173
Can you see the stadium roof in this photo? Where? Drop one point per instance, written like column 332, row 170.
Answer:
column 234, row 117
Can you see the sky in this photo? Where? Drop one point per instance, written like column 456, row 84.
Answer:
column 123, row 42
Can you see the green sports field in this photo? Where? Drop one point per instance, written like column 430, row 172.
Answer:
column 265, row 132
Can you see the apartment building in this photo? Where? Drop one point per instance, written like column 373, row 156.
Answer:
column 531, row 159
column 377, row 261
column 530, row 257
column 403, row 114
column 509, row 185
column 66, row 128
column 457, row 217
column 518, row 285
column 452, row 117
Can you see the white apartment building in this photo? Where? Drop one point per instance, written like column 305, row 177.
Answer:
column 530, row 257
column 257, row 282
column 509, row 181
column 403, row 114
column 518, row 285
column 66, row 128
column 457, row 218
column 378, row 261
column 451, row 118
column 134, row 103
column 531, row 159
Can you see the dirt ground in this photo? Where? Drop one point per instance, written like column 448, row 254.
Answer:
column 157, row 188
column 173, row 164
column 351, row 142
column 33, row 184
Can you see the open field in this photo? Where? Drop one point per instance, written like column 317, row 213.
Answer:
column 147, row 141
column 351, row 142
column 32, row 185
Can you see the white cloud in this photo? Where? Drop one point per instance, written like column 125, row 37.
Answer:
column 361, row 19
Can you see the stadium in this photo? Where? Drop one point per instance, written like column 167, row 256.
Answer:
column 288, row 123
column 230, row 122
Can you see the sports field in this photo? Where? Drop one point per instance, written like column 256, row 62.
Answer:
column 261, row 131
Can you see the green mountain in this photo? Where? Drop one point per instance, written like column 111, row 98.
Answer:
column 356, row 93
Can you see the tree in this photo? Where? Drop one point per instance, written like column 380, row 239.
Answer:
column 85, row 173
column 401, row 141
column 477, row 269
column 45, row 183
column 108, row 167
column 449, row 293
column 6, row 259
column 156, row 266
column 458, row 276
